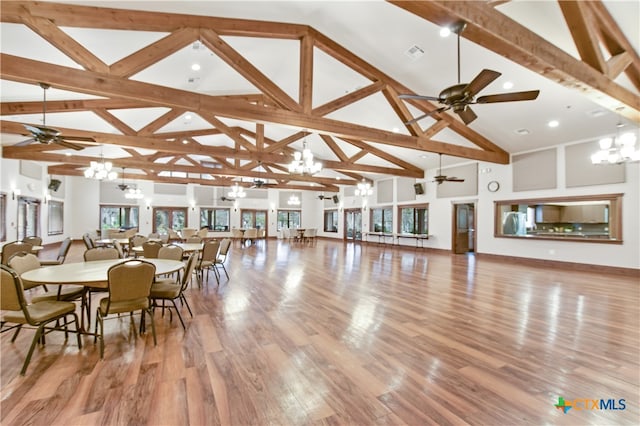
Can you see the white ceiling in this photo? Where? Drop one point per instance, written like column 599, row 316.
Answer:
column 378, row 32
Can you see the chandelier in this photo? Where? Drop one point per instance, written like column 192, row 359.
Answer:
column 237, row 192
column 303, row 163
column 364, row 189
column 294, row 200
column 133, row 193
column 617, row 150
column 100, row 170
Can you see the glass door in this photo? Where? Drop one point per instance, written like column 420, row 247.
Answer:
column 28, row 217
column 253, row 219
column 353, row 225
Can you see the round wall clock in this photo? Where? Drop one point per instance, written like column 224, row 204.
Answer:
column 493, row 186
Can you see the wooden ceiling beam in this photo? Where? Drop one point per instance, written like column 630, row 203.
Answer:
column 384, row 155
column 10, row 108
column 161, row 121
column 132, row 163
column 234, row 134
column 66, row 15
column 63, row 42
column 333, row 146
column 347, row 99
column 143, row 58
column 239, row 63
column 582, row 27
column 305, row 89
column 500, row 34
column 114, row 121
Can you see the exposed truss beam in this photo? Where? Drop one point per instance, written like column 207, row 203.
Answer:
column 493, row 30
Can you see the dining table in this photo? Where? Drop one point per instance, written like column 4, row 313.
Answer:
column 90, row 274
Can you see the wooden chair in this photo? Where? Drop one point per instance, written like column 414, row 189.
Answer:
column 62, row 254
column 237, row 235
column 207, row 258
column 129, row 291
column 188, row 232
column 250, row 235
column 225, row 244
column 12, row 248
column 23, row 262
column 38, row 314
column 169, row 290
column 88, row 241
column 150, row 249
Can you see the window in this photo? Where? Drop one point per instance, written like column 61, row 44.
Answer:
column 288, row 219
column 414, row 219
column 165, row 218
column 28, row 217
column 331, row 221
column 118, row 217
column 590, row 218
column 214, row 219
column 56, row 218
column 3, row 217
column 253, row 219
column 382, row 220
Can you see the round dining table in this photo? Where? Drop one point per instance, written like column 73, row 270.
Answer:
column 90, row 274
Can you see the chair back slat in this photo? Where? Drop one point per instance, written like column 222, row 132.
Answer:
column 101, row 253
column 172, row 252
column 8, row 250
column 130, row 280
column 150, row 249
column 10, row 290
column 210, row 250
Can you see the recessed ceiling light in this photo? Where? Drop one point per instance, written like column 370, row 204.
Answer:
column 523, row 131
column 445, row 32
column 553, row 123
column 395, row 130
column 507, row 85
column 337, row 177
column 185, row 141
column 68, row 154
column 187, row 116
column 195, row 67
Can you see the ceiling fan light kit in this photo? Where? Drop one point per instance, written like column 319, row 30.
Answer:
column 100, row 170
column 617, row 150
column 440, row 178
column 459, row 96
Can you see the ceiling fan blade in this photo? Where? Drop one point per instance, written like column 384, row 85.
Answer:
column 508, row 97
column 435, row 111
column 481, row 81
column 25, row 142
column 66, row 144
column 467, row 115
column 79, row 138
column 420, row 97
column 454, row 179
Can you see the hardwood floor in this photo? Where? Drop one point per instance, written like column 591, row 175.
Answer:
column 350, row 334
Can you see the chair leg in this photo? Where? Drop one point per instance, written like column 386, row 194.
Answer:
column 15, row 335
column 184, row 300
column 75, row 319
column 225, row 270
column 153, row 328
column 178, row 313
column 36, row 338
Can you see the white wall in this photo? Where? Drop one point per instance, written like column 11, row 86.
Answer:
column 82, row 200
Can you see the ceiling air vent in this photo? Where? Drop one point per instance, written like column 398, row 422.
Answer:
column 415, row 52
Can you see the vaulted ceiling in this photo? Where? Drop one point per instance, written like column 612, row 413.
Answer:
column 121, row 79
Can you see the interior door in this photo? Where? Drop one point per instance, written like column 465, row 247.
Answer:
column 464, row 229
column 353, row 225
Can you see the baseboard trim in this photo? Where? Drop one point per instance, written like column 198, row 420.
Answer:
column 572, row 266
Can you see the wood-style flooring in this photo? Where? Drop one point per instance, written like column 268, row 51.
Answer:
column 333, row 333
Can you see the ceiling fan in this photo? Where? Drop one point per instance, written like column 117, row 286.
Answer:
column 459, row 96
column 439, row 178
column 48, row 135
